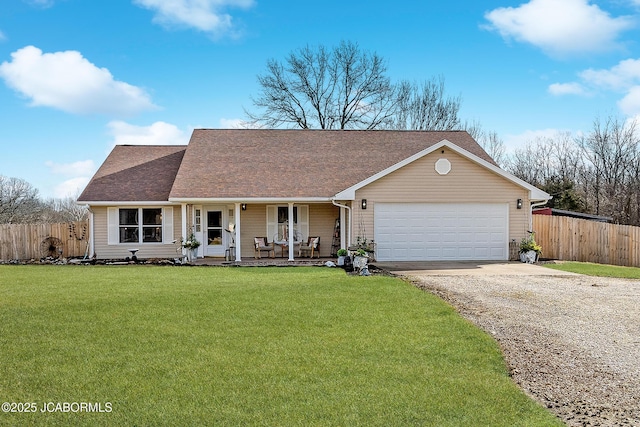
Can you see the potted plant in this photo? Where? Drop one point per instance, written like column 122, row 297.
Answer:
column 360, row 258
column 191, row 244
column 368, row 246
column 342, row 253
column 529, row 250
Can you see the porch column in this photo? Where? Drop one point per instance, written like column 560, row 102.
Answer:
column 343, row 228
column 184, row 226
column 237, row 231
column 92, row 236
column 291, row 234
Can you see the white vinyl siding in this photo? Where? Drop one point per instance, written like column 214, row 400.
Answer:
column 419, row 182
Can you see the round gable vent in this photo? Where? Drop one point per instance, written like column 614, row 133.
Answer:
column 443, row 166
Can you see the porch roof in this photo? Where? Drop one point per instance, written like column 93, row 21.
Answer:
column 295, row 164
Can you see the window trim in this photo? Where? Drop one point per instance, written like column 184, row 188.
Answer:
column 165, row 226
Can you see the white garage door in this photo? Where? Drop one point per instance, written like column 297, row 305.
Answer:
column 441, row 231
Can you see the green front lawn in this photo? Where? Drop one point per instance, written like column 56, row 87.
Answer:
column 246, row 346
column 601, row 270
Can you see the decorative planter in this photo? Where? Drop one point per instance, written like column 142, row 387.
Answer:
column 530, row 257
column 360, row 261
column 341, row 260
column 192, row 254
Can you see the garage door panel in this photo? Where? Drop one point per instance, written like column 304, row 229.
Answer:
column 456, row 231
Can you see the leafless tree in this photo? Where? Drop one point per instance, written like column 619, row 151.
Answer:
column 425, row 106
column 64, row 210
column 19, row 201
column 489, row 140
column 341, row 88
column 531, row 162
column 611, row 154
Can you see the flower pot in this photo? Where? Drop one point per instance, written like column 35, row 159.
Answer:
column 530, row 257
column 341, row 260
column 360, row 261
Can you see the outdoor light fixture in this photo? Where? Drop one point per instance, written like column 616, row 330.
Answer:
column 244, row 206
column 364, row 203
column 519, row 204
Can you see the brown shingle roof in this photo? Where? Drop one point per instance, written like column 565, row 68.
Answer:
column 296, row 163
column 135, row 173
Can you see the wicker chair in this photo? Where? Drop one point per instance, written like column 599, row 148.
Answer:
column 261, row 245
column 312, row 246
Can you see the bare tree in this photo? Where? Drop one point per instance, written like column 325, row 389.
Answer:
column 489, row 141
column 341, row 88
column 64, row 210
column 611, row 154
column 19, row 201
column 531, row 163
column 425, row 106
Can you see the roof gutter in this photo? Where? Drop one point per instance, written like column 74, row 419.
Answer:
column 250, row 200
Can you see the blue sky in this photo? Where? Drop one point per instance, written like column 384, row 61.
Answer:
column 78, row 76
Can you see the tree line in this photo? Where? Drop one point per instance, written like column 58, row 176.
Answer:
column 345, row 87
column 594, row 172
column 20, row 203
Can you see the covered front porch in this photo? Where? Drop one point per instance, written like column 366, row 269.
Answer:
column 227, row 229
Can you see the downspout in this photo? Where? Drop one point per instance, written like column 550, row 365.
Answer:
column 183, row 212
column 90, row 244
column 533, row 205
column 343, row 228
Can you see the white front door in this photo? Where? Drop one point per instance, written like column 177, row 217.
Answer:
column 214, row 234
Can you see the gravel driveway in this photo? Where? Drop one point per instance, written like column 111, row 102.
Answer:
column 572, row 342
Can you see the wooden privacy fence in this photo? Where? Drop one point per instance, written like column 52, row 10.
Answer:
column 27, row 241
column 572, row 239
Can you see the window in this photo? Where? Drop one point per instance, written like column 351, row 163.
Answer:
column 198, row 220
column 214, row 227
column 278, row 224
column 283, row 215
column 132, row 229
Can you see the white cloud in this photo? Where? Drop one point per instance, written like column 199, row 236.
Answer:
column 204, row 15
column 567, row 89
column 630, row 103
column 71, row 187
column 623, row 77
column 619, row 77
column 521, row 140
column 159, row 133
column 79, row 174
column 82, row 167
column 69, row 82
column 2, row 36
column 559, row 27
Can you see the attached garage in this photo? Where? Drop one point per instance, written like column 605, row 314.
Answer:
column 441, row 231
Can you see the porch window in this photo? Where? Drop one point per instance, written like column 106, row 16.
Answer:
column 278, row 225
column 140, row 225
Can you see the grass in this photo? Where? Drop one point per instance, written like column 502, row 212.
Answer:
column 246, row 346
column 602, row 270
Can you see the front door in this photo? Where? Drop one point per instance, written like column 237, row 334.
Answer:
column 214, row 244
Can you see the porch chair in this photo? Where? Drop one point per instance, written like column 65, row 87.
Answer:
column 312, row 246
column 261, row 245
